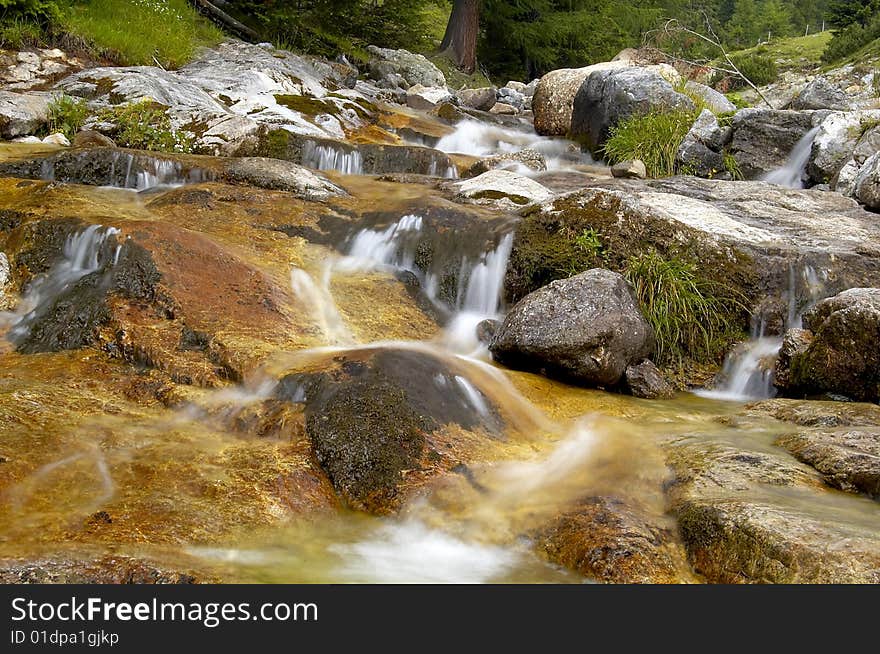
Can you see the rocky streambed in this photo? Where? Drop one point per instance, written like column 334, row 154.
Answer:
column 349, row 357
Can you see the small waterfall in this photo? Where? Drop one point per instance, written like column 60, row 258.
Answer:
column 479, row 139
column 125, row 170
column 327, row 157
column 84, row 253
column 792, row 173
column 748, row 370
column 324, row 308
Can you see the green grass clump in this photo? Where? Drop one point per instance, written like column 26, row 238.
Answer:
column 20, row 33
column 653, row 137
column 732, row 167
column 141, row 32
column 144, row 125
column 67, row 115
column 691, row 316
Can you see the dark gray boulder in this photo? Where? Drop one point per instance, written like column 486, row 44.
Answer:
column 821, row 94
column 763, row 139
column 608, row 96
column 587, row 329
column 646, row 381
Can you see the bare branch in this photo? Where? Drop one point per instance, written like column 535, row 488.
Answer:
column 673, row 26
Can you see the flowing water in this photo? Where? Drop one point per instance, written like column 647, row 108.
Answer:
column 792, row 174
column 189, row 484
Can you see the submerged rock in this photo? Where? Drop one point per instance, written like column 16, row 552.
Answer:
column 529, row 158
column 761, row 517
column 370, row 421
column 587, row 329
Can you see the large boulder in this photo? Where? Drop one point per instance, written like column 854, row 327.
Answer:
column 843, row 356
column 763, row 139
column 608, row 96
column 410, row 67
column 554, row 96
column 23, row 113
column 821, row 94
column 587, row 329
column 838, row 137
column 747, row 237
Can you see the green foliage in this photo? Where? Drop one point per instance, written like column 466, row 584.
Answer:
column 141, row 32
column 328, row 27
column 758, row 66
column 849, row 40
column 20, row 33
column 691, row 316
column 653, row 137
column 732, row 167
column 144, row 125
column 39, row 10
column 67, row 115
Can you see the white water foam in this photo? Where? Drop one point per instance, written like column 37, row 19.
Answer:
column 792, row 173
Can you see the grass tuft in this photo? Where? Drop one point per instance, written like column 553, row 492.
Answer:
column 653, row 137
column 67, row 115
column 141, row 32
column 144, row 125
column 691, row 316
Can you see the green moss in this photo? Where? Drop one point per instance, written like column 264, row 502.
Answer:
column 306, row 104
column 276, row 144
column 579, row 233
column 454, row 77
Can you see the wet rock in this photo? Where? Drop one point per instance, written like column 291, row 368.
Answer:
column 848, row 458
column 370, row 421
column 502, row 187
column 5, row 280
column 486, row 330
column 743, row 236
column 412, row 68
column 23, row 113
column 512, row 98
column 609, row 540
column 554, row 97
column 88, row 138
column 482, row 99
column 794, row 343
column 107, row 569
column 633, row 169
column 587, row 329
column 529, row 158
column 762, row 139
column 646, row 381
column 866, row 185
column 608, row 96
column 281, row 175
column 821, row 94
column 714, row 101
column 700, row 150
column 761, row 517
column 843, row 356
column 426, row 97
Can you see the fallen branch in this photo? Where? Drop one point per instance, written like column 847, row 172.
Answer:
column 225, row 20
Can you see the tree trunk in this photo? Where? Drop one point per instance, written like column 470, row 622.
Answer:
column 460, row 40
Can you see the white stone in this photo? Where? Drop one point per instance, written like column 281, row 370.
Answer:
column 503, row 186
column 57, row 139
